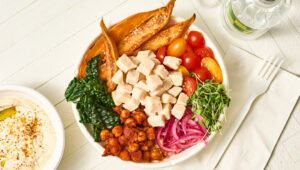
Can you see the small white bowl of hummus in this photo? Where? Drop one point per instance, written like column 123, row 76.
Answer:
column 31, row 131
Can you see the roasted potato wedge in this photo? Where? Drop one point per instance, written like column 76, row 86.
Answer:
column 147, row 30
column 111, row 56
column 165, row 37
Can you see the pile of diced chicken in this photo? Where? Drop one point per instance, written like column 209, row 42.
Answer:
column 144, row 80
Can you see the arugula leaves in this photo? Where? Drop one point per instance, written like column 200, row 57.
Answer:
column 209, row 101
column 93, row 102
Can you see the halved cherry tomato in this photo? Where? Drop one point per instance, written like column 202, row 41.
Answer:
column 196, row 39
column 205, row 52
column 183, row 70
column 161, row 53
column 202, row 74
column 214, row 68
column 177, row 47
column 190, row 60
column 189, row 85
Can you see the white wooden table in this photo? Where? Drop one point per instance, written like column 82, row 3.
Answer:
column 41, row 40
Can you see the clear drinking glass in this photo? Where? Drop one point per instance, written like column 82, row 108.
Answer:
column 249, row 19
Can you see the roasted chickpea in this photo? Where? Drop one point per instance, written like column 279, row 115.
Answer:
column 165, row 154
column 150, row 143
column 124, row 155
column 139, row 117
column 130, row 122
column 112, row 142
column 136, row 156
column 117, row 131
column 105, row 134
column 156, row 154
column 146, row 156
column 146, row 124
column 122, row 140
column 150, row 133
column 133, row 147
column 106, row 151
column 128, row 132
column 118, row 109
column 144, row 147
column 142, row 136
column 115, row 150
column 124, row 114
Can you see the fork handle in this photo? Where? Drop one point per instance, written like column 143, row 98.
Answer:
column 230, row 133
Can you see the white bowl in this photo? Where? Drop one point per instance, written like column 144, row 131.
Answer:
column 172, row 160
column 39, row 99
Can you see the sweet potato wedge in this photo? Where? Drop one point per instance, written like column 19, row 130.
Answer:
column 166, row 36
column 147, row 30
column 117, row 32
column 111, row 55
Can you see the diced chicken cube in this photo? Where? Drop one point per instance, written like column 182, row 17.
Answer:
column 142, row 85
column 124, row 88
column 178, row 110
column 114, row 95
column 138, row 93
column 143, row 55
column 167, row 98
column 131, row 104
column 125, row 64
column 135, row 60
column 142, row 77
column 146, row 67
column 153, row 104
column 155, row 60
column 174, row 91
column 148, row 113
column 120, row 98
column 158, row 92
column 143, row 101
column 152, row 55
column 167, row 83
column 156, row 121
column 166, row 111
column 176, row 77
column 182, row 99
column 172, row 62
column 132, row 77
column 161, row 71
column 118, row 77
column 153, row 82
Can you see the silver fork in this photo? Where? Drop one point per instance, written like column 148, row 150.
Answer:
column 259, row 83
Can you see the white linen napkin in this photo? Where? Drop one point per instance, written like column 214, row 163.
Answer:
column 253, row 144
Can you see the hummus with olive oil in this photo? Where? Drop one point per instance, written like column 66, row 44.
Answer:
column 27, row 137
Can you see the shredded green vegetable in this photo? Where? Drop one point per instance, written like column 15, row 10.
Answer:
column 209, row 101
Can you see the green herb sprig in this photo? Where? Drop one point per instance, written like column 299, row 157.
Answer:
column 209, row 101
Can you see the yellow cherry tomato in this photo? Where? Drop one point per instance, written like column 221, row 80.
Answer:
column 214, row 68
column 177, row 47
column 183, row 70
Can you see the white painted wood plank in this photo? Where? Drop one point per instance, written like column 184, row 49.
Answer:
column 31, row 19
column 288, row 41
column 9, row 8
column 52, row 35
column 66, row 114
column 83, row 159
column 74, row 140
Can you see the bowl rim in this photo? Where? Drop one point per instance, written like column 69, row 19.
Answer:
column 51, row 112
column 194, row 149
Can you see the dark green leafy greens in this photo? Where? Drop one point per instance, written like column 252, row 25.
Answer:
column 209, row 101
column 93, row 102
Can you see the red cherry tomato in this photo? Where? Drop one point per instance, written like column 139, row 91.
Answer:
column 177, row 47
column 205, row 52
column 202, row 73
column 196, row 39
column 191, row 60
column 189, row 85
column 161, row 53
column 189, row 49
